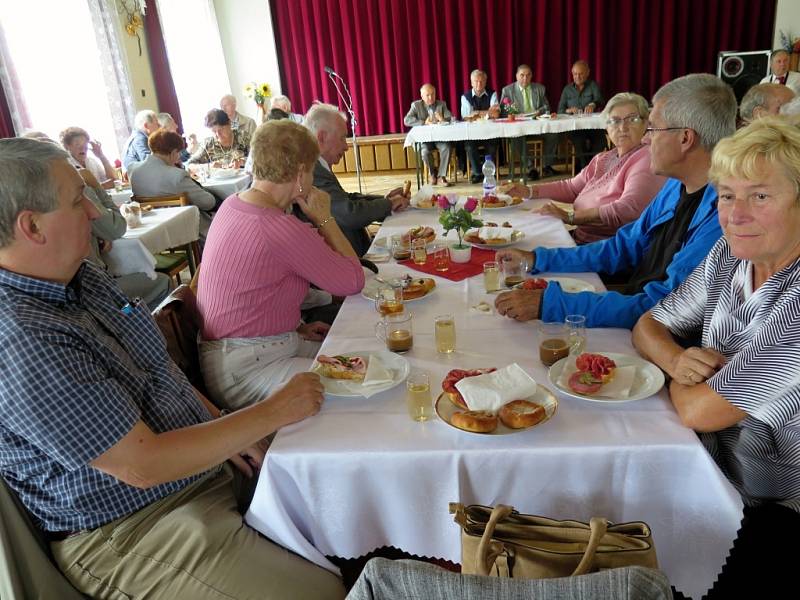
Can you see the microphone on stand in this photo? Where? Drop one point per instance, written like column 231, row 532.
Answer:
column 348, row 104
column 330, row 71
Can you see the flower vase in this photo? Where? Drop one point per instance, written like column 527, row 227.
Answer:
column 460, row 253
column 512, row 116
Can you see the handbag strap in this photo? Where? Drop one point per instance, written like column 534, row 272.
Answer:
column 598, row 528
column 499, row 512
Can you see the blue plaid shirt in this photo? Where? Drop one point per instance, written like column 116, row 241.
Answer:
column 76, row 373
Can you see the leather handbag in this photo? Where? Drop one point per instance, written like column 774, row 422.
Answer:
column 502, row 542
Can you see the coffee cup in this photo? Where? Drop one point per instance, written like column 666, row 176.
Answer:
column 396, row 331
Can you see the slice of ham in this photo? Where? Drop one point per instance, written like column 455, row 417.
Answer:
column 343, row 363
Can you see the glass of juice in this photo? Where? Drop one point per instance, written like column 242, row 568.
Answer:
column 445, row 334
column 418, row 396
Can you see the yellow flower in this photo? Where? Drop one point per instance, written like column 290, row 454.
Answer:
column 249, row 89
column 265, row 90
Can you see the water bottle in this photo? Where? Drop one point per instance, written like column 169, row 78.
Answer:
column 489, row 181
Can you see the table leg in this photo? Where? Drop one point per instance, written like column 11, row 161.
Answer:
column 190, row 257
column 418, row 161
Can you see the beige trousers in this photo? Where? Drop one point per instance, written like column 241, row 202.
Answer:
column 191, row 545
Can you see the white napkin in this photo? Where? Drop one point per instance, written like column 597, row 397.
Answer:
column 482, row 308
column 425, row 192
column 129, row 256
column 492, row 390
column 619, row 387
column 496, row 233
column 377, row 373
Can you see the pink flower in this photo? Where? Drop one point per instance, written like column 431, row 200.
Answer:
column 443, row 203
column 452, row 199
column 506, row 101
column 117, row 163
column 471, row 204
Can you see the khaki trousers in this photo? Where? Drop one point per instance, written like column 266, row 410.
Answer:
column 193, row 545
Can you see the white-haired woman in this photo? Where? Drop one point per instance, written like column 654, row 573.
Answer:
column 615, row 186
column 739, row 386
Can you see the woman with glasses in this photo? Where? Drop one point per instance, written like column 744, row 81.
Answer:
column 615, row 186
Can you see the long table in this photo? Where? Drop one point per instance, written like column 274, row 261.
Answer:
column 362, row 475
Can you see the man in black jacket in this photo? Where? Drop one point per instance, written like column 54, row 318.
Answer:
column 352, row 211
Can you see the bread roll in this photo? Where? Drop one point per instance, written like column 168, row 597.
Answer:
column 477, row 421
column 519, row 414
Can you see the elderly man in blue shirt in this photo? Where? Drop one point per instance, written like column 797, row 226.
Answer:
column 132, row 474
column 673, row 234
column 136, row 149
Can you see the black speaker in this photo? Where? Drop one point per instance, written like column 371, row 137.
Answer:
column 743, row 70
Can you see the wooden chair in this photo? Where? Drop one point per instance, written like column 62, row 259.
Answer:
column 172, row 262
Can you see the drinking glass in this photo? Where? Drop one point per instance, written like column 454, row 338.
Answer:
column 514, row 271
column 491, row 276
column 445, row 334
column 389, row 299
column 396, row 331
column 576, row 332
column 132, row 213
column 418, row 396
column 400, row 248
column 553, row 342
column 419, row 251
column 441, row 258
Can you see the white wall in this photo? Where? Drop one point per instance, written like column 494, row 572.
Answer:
column 245, row 28
column 787, row 18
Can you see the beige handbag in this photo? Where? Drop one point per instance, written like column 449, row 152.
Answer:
column 504, row 543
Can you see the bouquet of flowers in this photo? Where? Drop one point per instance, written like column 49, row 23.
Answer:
column 258, row 92
column 460, row 219
column 791, row 45
column 507, row 107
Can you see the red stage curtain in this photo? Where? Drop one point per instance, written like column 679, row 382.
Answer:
column 385, row 49
column 162, row 77
column 6, row 124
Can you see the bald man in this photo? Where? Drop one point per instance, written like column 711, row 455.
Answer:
column 430, row 111
column 238, row 120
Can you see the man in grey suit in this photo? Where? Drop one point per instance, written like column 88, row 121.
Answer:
column 352, row 211
column 430, row 111
column 531, row 98
column 238, row 120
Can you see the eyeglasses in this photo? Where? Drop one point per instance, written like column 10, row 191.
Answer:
column 632, row 120
column 652, row 130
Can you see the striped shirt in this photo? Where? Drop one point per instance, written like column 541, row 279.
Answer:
column 76, row 373
column 758, row 331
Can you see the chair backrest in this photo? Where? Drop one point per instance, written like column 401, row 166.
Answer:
column 26, row 567
column 162, row 201
column 180, row 322
column 195, row 280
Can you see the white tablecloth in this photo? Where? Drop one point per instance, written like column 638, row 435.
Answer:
column 128, row 256
column 221, row 188
column 362, row 474
column 487, row 130
column 164, row 228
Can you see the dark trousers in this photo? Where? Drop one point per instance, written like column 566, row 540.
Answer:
column 587, row 143
column 476, row 150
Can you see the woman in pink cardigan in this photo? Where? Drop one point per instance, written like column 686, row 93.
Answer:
column 258, row 263
column 615, row 186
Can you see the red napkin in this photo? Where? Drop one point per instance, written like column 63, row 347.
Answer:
column 457, row 271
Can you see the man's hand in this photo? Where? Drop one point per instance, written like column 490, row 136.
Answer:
column 96, row 148
column 522, row 305
column 695, row 365
column 429, row 121
column 439, row 117
column 316, row 206
column 249, row 460
column 571, row 110
column 551, row 210
column 104, row 245
column 313, row 332
column 300, row 398
column 589, row 109
column 398, row 199
column 516, row 256
column 494, row 111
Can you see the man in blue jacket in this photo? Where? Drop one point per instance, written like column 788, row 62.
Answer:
column 670, row 238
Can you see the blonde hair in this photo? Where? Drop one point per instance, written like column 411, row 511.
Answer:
column 768, row 140
column 281, row 149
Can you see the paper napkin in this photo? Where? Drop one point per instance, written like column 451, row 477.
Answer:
column 496, row 233
column 377, row 373
column 492, row 390
column 619, row 387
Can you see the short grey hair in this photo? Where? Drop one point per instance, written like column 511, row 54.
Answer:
column 701, row 102
column 142, row 117
column 756, row 96
column 321, row 117
column 778, row 51
column 164, row 119
column 279, row 101
column 26, row 182
column 791, row 108
column 478, row 72
column 627, row 98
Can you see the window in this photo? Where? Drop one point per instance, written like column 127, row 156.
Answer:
column 195, row 57
column 59, row 78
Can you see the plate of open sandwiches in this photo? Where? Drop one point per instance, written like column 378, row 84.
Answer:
column 361, row 373
column 606, row 377
column 493, row 236
column 500, row 201
column 568, row 284
column 414, row 288
column 513, row 416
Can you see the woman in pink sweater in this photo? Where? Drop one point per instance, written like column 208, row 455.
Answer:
column 616, row 185
column 258, row 263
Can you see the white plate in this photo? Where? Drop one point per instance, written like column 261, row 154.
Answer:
column 224, row 173
column 382, row 243
column 370, row 290
column 516, row 236
column 507, row 198
column 649, row 378
column 394, row 363
column 568, row 284
column 445, row 409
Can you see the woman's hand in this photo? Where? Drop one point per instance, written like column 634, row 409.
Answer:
column 313, row 332
column 694, row 365
column 515, row 189
column 316, row 206
column 96, row 148
column 551, row 210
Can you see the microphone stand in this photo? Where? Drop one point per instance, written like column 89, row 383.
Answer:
column 348, row 104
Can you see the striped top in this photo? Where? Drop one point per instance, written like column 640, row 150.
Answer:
column 257, row 265
column 758, row 331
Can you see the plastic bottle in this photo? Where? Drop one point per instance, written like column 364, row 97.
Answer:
column 489, row 181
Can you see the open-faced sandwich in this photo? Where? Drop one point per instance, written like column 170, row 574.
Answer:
column 533, row 284
column 594, row 370
column 473, row 238
column 342, row 367
column 492, row 201
column 416, row 287
column 417, row 233
column 491, row 224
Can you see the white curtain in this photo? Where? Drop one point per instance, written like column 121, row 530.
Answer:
column 12, row 88
column 106, row 27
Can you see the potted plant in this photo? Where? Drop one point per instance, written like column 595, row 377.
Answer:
column 462, row 220
column 508, row 109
